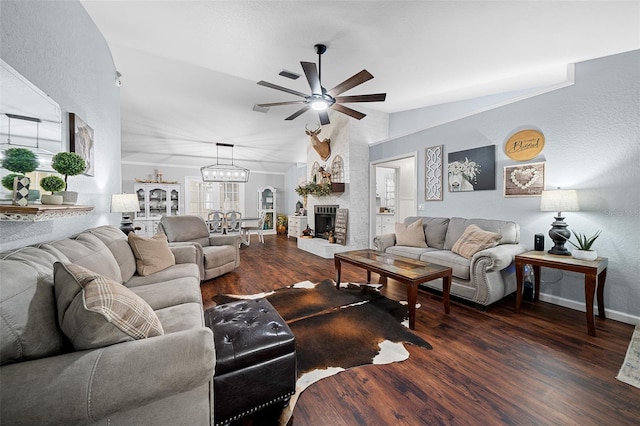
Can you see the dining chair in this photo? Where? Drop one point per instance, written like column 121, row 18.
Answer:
column 233, row 221
column 245, row 231
column 215, row 221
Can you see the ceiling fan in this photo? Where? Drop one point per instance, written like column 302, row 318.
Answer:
column 320, row 98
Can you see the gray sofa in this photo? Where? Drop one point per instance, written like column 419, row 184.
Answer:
column 162, row 380
column 485, row 278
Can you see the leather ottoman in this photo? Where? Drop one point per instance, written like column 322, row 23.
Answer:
column 255, row 358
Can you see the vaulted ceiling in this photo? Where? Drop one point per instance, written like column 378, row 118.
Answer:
column 189, row 68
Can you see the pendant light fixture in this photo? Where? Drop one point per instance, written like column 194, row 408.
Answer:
column 224, row 172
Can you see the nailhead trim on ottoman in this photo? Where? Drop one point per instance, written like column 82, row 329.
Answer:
column 255, row 358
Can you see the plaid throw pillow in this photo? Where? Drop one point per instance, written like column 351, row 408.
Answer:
column 474, row 239
column 94, row 311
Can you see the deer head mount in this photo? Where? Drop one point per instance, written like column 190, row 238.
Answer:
column 323, row 148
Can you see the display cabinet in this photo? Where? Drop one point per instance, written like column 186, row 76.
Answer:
column 155, row 199
column 296, row 225
column 267, row 206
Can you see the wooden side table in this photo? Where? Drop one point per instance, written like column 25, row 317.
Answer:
column 595, row 272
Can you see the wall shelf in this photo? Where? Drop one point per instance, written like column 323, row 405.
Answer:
column 337, row 187
column 40, row 212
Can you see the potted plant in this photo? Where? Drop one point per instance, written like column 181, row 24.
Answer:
column 281, row 228
column 20, row 161
column 583, row 246
column 68, row 164
column 51, row 184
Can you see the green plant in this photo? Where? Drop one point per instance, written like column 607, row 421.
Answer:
column 282, row 219
column 7, row 181
column 68, row 164
column 20, row 160
column 313, row 188
column 52, row 183
column 584, row 242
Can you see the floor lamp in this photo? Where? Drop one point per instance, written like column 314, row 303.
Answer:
column 559, row 200
column 127, row 204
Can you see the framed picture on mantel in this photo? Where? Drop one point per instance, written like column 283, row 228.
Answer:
column 81, row 141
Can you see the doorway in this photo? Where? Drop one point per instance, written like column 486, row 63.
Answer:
column 393, row 193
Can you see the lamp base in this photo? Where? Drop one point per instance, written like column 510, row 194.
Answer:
column 126, row 225
column 559, row 235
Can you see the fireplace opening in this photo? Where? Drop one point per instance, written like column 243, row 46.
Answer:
column 325, row 220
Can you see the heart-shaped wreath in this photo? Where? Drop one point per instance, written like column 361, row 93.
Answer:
column 532, row 174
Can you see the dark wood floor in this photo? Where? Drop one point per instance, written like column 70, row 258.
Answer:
column 536, row 368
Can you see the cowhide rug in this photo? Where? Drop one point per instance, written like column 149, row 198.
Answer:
column 336, row 330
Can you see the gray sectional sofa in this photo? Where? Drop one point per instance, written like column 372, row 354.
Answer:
column 486, row 277
column 161, row 380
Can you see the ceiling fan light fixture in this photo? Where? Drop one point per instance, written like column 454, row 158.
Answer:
column 319, row 104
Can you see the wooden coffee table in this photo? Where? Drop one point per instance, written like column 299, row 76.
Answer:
column 407, row 271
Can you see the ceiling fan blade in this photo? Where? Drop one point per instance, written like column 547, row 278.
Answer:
column 350, row 83
column 298, row 112
column 284, row 89
column 375, row 97
column 350, row 112
column 313, row 78
column 280, row 103
column 324, row 117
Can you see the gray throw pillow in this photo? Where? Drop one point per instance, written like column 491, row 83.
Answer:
column 94, row 311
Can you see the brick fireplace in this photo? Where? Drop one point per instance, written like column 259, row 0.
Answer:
column 324, row 220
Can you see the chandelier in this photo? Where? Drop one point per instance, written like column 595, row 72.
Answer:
column 224, row 172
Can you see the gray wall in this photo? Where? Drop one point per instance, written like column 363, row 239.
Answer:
column 57, row 47
column 592, row 136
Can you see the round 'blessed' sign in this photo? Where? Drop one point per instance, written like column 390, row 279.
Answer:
column 524, row 145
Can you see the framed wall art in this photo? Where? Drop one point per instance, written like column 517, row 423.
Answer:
column 81, row 141
column 524, row 180
column 433, row 173
column 472, row 169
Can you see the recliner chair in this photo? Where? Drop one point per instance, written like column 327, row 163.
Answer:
column 220, row 253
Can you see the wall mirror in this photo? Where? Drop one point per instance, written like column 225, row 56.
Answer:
column 28, row 117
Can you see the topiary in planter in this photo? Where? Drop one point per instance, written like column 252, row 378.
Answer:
column 68, row 164
column 20, row 160
column 7, row 181
column 52, row 183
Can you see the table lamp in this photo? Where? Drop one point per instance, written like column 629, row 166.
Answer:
column 125, row 203
column 559, row 200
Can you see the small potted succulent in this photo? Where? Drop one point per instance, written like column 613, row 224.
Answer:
column 68, row 164
column 583, row 246
column 52, row 184
column 20, row 161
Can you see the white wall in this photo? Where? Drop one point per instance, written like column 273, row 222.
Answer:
column 57, row 47
column 172, row 173
column 592, row 136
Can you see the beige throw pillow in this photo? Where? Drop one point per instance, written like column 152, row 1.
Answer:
column 152, row 254
column 95, row 311
column 410, row 235
column 474, row 239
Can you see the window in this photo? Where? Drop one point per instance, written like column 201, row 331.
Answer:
column 337, row 169
column 203, row 197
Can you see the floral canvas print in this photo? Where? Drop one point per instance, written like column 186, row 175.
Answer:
column 472, row 169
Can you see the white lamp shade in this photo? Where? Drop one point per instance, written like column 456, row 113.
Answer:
column 124, row 203
column 559, row 200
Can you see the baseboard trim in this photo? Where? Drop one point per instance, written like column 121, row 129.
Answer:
column 580, row 306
